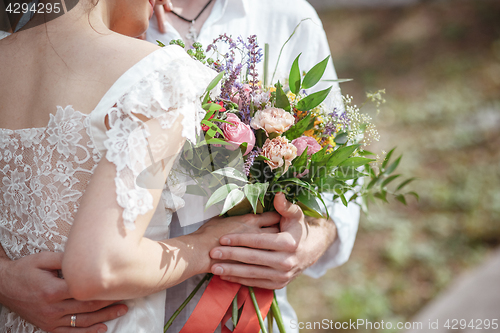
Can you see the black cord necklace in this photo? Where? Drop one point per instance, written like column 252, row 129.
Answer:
column 192, row 34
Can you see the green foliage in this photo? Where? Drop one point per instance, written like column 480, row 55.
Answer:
column 233, row 198
column 377, row 183
column 313, row 100
column 220, row 194
column 299, row 128
column 254, row 193
column 281, row 99
column 315, row 74
column 294, row 80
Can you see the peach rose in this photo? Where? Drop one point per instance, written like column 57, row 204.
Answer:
column 306, row 141
column 237, row 133
column 278, row 150
column 273, row 120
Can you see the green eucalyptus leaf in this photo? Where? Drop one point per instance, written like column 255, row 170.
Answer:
column 299, row 128
column 320, row 157
column 355, row 162
column 315, row 74
column 372, row 183
column 365, row 153
column 301, row 160
column 282, row 101
column 220, row 194
column 215, row 81
column 329, row 184
column 381, row 196
column 295, row 181
column 209, row 114
column 231, row 173
column 343, row 198
column 340, row 155
column 295, row 79
column 388, row 180
column 369, row 170
column 313, row 100
column 387, row 158
column 401, row 198
column 414, row 194
column 307, row 201
column 211, row 107
column 392, row 166
column 364, row 204
column 254, row 192
column 406, row 182
column 233, row 198
column 324, row 205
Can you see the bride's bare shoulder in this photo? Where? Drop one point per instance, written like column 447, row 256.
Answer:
column 114, row 55
column 120, row 52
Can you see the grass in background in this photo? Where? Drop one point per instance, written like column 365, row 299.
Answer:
column 440, row 64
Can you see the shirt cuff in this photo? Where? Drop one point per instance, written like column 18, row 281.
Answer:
column 346, row 220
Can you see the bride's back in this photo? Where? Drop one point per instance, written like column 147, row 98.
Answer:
column 72, row 60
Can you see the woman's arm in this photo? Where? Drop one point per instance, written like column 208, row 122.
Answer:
column 105, row 260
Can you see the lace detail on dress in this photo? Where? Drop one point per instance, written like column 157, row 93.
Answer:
column 163, row 96
column 15, row 324
column 176, row 88
column 44, row 172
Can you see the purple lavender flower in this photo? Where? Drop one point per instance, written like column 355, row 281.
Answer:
column 251, row 159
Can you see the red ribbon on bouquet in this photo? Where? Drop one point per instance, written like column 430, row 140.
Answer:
column 215, row 305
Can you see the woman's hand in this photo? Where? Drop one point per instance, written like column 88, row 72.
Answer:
column 250, row 224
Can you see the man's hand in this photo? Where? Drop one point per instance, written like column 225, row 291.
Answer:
column 160, row 9
column 31, row 287
column 273, row 260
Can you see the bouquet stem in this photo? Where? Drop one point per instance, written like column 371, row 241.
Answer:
column 257, row 310
column 270, row 321
column 186, row 301
column 235, row 310
column 277, row 314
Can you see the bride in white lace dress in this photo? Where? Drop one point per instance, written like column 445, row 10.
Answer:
column 82, row 107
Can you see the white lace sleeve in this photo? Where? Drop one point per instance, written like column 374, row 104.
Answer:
column 171, row 89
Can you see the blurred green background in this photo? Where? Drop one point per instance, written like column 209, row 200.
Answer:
column 439, row 62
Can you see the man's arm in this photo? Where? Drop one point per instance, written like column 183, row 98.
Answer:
column 30, row 287
column 346, row 221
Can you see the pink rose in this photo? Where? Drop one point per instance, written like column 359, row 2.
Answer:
column 278, row 150
column 246, row 90
column 272, row 120
column 306, row 141
column 238, row 133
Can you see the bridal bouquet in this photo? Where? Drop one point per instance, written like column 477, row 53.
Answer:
column 260, row 139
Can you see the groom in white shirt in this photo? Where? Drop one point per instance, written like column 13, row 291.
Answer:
column 273, row 22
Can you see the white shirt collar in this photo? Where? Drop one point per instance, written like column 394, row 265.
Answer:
column 226, row 9
column 4, row 34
